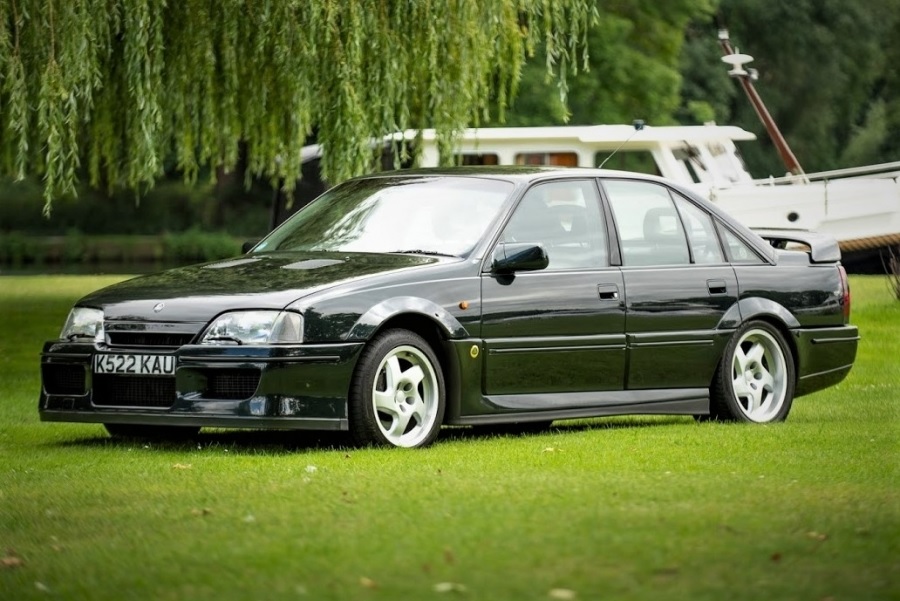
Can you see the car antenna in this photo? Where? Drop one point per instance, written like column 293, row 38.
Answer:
column 638, row 126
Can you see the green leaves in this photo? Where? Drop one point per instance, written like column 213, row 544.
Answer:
column 126, row 85
column 634, row 49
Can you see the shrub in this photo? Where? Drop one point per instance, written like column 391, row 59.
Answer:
column 194, row 245
column 18, row 249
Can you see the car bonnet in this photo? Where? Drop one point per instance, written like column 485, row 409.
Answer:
column 259, row 281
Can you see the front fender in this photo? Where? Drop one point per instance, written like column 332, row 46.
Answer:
column 372, row 319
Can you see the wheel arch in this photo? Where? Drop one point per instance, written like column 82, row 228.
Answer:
column 772, row 313
column 404, row 308
column 430, row 321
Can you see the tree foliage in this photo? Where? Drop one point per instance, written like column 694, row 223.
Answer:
column 116, row 87
column 826, row 74
column 634, row 72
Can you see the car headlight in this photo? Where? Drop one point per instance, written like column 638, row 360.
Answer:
column 255, row 327
column 83, row 323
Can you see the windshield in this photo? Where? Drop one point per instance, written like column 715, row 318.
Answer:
column 433, row 215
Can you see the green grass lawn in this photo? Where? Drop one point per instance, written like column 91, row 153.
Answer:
column 622, row 508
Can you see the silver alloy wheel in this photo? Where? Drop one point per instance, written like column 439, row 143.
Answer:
column 759, row 375
column 405, row 396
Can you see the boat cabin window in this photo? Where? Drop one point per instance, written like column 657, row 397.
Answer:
column 689, row 156
column 638, row 161
column 557, row 159
column 729, row 164
column 477, row 159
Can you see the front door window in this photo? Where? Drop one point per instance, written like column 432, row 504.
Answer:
column 564, row 217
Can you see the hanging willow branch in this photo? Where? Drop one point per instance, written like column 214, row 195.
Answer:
column 126, row 85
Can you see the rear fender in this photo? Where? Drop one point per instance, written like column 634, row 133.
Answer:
column 757, row 308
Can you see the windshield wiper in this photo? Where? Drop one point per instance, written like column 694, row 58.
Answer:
column 422, row 252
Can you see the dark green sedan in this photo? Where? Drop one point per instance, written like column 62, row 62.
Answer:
column 509, row 297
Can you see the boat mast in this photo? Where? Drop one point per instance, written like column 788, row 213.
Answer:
column 746, row 78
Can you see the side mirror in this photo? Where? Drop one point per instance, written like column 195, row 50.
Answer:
column 248, row 245
column 519, row 256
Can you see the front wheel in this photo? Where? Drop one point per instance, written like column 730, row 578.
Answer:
column 755, row 378
column 397, row 394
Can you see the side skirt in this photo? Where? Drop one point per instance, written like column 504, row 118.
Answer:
column 542, row 407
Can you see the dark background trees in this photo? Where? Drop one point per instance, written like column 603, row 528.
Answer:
column 827, row 74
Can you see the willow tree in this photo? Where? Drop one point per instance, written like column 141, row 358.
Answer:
column 115, row 88
column 635, row 54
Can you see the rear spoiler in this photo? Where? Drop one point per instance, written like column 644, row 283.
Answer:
column 822, row 247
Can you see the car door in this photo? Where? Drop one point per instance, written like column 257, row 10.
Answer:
column 678, row 285
column 559, row 329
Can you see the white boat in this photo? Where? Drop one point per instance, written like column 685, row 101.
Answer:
column 860, row 207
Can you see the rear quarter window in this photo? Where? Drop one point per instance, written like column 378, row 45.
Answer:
column 738, row 250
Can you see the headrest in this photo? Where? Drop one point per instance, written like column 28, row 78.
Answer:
column 661, row 222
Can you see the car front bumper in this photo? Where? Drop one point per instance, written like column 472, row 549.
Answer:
column 287, row 387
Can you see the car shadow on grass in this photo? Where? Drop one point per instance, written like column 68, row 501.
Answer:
column 273, row 442
column 259, row 442
column 562, row 427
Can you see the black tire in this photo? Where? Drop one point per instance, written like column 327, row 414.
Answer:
column 755, row 379
column 409, row 410
column 145, row 432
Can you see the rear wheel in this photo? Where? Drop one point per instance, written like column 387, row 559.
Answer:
column 755, row 379
column 145, row 432
column 397, row 394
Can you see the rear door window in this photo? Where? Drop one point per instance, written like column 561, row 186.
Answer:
column 650, row 228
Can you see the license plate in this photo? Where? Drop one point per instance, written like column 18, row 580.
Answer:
column 138, row 365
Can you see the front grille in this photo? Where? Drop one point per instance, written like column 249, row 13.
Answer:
column 134, row 391
column 231, row 384
column 166, row 339
column 62, row 378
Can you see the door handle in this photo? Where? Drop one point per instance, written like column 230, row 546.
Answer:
column 608, row 291
column 716, row 286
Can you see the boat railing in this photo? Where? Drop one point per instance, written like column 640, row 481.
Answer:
column 881, row 170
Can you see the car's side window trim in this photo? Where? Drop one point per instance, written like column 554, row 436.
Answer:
column 687, row 239
column 718, row 235
column 485, row 251
column 613, row 242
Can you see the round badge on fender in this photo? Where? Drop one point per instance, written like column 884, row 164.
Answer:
column 473, row 352
column 158, row 307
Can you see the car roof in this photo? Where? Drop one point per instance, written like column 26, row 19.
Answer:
column 510, row 172
column 524, row 174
